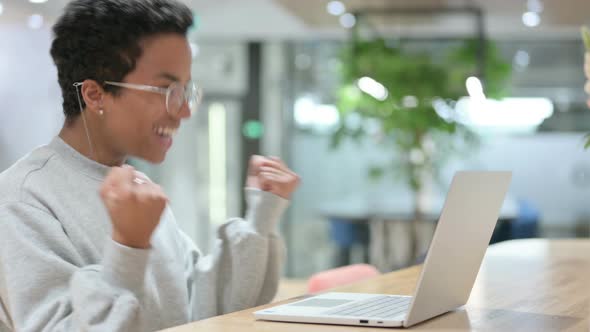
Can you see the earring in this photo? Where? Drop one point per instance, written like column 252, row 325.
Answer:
column 101, row 112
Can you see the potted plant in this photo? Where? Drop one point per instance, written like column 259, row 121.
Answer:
column 405, row 95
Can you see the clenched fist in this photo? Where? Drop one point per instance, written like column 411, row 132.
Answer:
column 135, row 206
column 272, row 175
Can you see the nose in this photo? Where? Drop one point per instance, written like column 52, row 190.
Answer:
column 184, row 113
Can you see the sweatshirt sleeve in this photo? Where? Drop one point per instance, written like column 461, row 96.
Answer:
column 244, row 267
column 45, row 287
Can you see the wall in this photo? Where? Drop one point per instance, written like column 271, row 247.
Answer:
column 30, row 98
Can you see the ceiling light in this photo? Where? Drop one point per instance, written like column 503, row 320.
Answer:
column 347, row 20
column 410, row 102
column 308, row 114
column 372, row 88
column 531, row 19
column 522, row 59
column 37, row 1
column 35, row 21
column 335, row 8
column 515, row 113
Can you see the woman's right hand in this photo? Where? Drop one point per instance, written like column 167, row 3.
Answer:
column 135, row 206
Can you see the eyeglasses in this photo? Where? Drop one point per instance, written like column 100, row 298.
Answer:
column 176, row 95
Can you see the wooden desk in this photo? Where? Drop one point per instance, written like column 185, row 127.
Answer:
column 524, row 285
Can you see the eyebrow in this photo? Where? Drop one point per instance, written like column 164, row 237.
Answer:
column 170, row 77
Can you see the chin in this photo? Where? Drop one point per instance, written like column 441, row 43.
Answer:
column 159, row 159
column 154, row 158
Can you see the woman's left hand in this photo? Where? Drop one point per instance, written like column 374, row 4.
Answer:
column 272, row 175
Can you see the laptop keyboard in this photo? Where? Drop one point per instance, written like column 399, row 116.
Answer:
column 377, row 307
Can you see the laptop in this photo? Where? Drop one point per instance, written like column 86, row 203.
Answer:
column 460, row 241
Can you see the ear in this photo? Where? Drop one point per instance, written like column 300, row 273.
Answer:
column 93, row 93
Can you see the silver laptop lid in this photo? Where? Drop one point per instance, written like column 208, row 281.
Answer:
column 460, row 241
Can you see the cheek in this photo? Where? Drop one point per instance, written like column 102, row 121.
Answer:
column 133, row 118
column 124, row 120
column 148, row 106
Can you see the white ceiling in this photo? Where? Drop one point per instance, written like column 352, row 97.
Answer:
column 280, row 19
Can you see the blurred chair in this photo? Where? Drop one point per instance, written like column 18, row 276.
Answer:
column 340, row 276
column 346, row 233
column 527, row 223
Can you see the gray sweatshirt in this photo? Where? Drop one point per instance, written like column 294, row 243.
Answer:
column 60, row 270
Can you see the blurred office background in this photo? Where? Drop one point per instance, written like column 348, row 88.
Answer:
column 366, row 100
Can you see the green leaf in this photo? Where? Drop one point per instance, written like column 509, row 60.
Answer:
column 375, row 173
column 587, row 143
column 586, row 37
column 337, row 137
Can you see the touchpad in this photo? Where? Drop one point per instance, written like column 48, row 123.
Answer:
column 324, row 303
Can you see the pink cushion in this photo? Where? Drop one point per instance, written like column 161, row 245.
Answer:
column 340, row 276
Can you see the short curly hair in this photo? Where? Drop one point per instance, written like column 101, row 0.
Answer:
column 100, row 40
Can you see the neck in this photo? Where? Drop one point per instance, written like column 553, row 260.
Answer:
column 98, row 149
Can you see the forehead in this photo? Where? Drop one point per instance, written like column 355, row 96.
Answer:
column 164, row 54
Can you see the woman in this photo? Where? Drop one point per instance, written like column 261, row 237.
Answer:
column 88, row 243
